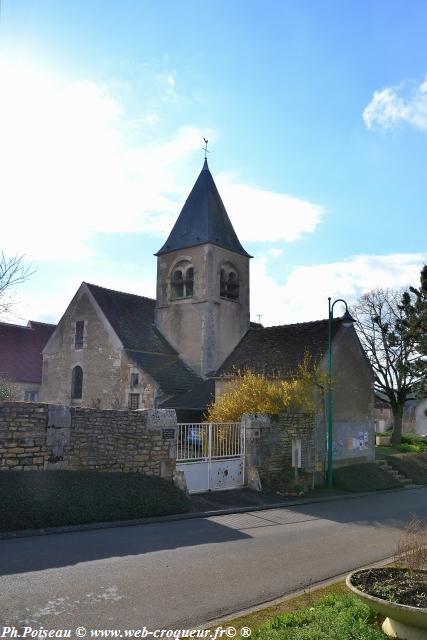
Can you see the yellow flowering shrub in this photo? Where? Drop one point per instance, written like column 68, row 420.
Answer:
column 252, row 392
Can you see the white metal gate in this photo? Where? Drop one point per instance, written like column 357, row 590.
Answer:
column 211, row 455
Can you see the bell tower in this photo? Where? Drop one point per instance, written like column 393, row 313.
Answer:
column 202, row 301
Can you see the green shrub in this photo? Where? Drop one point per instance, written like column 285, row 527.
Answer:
column 416, row 439
column 408, row 448
column 336, row 617
column 364, row 477
column 39, row 499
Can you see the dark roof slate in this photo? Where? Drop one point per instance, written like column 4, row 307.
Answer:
column 169, row 371
column 203, row 219
column 198, row 397
column 279, row 350
column 132, row 318
column 21, row 350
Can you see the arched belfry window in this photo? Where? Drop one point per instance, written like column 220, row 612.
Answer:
column 77, row 383
column 229, row 284
column 183, row 281
column 178, row 284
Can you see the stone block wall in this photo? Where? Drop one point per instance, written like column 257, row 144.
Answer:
column 40, row 436
column 269, row 442
column 23, row 436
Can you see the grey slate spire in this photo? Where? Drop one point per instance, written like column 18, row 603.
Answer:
column 203, row 219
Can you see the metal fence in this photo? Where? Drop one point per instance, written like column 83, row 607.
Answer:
column 209, row 440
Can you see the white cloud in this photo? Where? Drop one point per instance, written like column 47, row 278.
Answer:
column 283, row 217
column 150, row 118
column 304, row 294
column 68, row 172
column 394, row 105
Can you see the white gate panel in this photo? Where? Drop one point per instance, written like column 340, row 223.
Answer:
column 211, row 455
column 196, row 475
column 226, row 474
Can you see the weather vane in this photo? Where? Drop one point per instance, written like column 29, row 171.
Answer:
column 205, row 148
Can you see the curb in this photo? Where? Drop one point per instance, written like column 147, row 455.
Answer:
column 289, row 596
column 94, row 526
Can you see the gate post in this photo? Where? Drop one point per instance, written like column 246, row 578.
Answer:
column 209, row 454
column 254, row 426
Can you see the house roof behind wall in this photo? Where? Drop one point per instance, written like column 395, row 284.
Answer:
column 21, row 350
column 169, row 371
column 279, row 350
column 198, row 397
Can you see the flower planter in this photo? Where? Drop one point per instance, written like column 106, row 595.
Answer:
column 401, row 621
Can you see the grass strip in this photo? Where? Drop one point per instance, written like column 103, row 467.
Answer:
column 364, row 477
column 325, row 613
column 34, row 499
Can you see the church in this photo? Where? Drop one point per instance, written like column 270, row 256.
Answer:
column 116, row 350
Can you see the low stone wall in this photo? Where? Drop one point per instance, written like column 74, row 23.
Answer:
column 270, row 439
column 40, row 436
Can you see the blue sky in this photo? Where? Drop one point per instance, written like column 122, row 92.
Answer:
column 316, row 114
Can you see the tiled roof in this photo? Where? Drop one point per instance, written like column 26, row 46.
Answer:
column 169, row 371
column 198, row 397
column 21, row 350
column 203, row 218
column 132, row 318
column 280, row 349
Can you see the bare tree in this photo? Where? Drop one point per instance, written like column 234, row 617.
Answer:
column 12, row 272
column 390, row 349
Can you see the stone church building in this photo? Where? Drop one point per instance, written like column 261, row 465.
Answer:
column 117, row 350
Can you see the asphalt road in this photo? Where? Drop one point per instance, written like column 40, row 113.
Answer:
column 184, row 573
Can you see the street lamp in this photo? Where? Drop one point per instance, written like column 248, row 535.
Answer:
column 346, row 320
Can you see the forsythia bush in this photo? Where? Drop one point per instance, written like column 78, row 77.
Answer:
column 252, row 392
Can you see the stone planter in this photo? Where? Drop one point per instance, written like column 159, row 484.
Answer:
column 401, row 621
column 382, row 441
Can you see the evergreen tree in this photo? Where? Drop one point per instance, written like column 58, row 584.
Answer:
column 414, row 323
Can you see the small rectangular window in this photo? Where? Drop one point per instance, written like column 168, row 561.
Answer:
column 80, row 330
column 134, row 379
column 31, row 396
column 133, row 401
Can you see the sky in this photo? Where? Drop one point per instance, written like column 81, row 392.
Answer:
column 316, row 115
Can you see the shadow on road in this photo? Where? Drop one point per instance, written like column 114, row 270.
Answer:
column 379, row 511
column 59, row 550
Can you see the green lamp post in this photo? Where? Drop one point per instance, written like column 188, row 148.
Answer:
column 347, row 320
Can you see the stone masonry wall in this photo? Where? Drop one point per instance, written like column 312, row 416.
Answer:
column 269, row 444
column 39, row 436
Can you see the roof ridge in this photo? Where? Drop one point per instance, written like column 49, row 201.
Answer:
column 47, row 324
column 12, row 324
column 296, row 324
column 125, row 293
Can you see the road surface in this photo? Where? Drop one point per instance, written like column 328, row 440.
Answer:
column 184, row 573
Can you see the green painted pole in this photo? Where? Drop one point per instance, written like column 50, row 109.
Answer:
column 330, row 461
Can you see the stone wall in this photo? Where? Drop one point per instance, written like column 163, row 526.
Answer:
column 40, row 436
column 106, row 368
column 269, row 443
column 270, row 440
